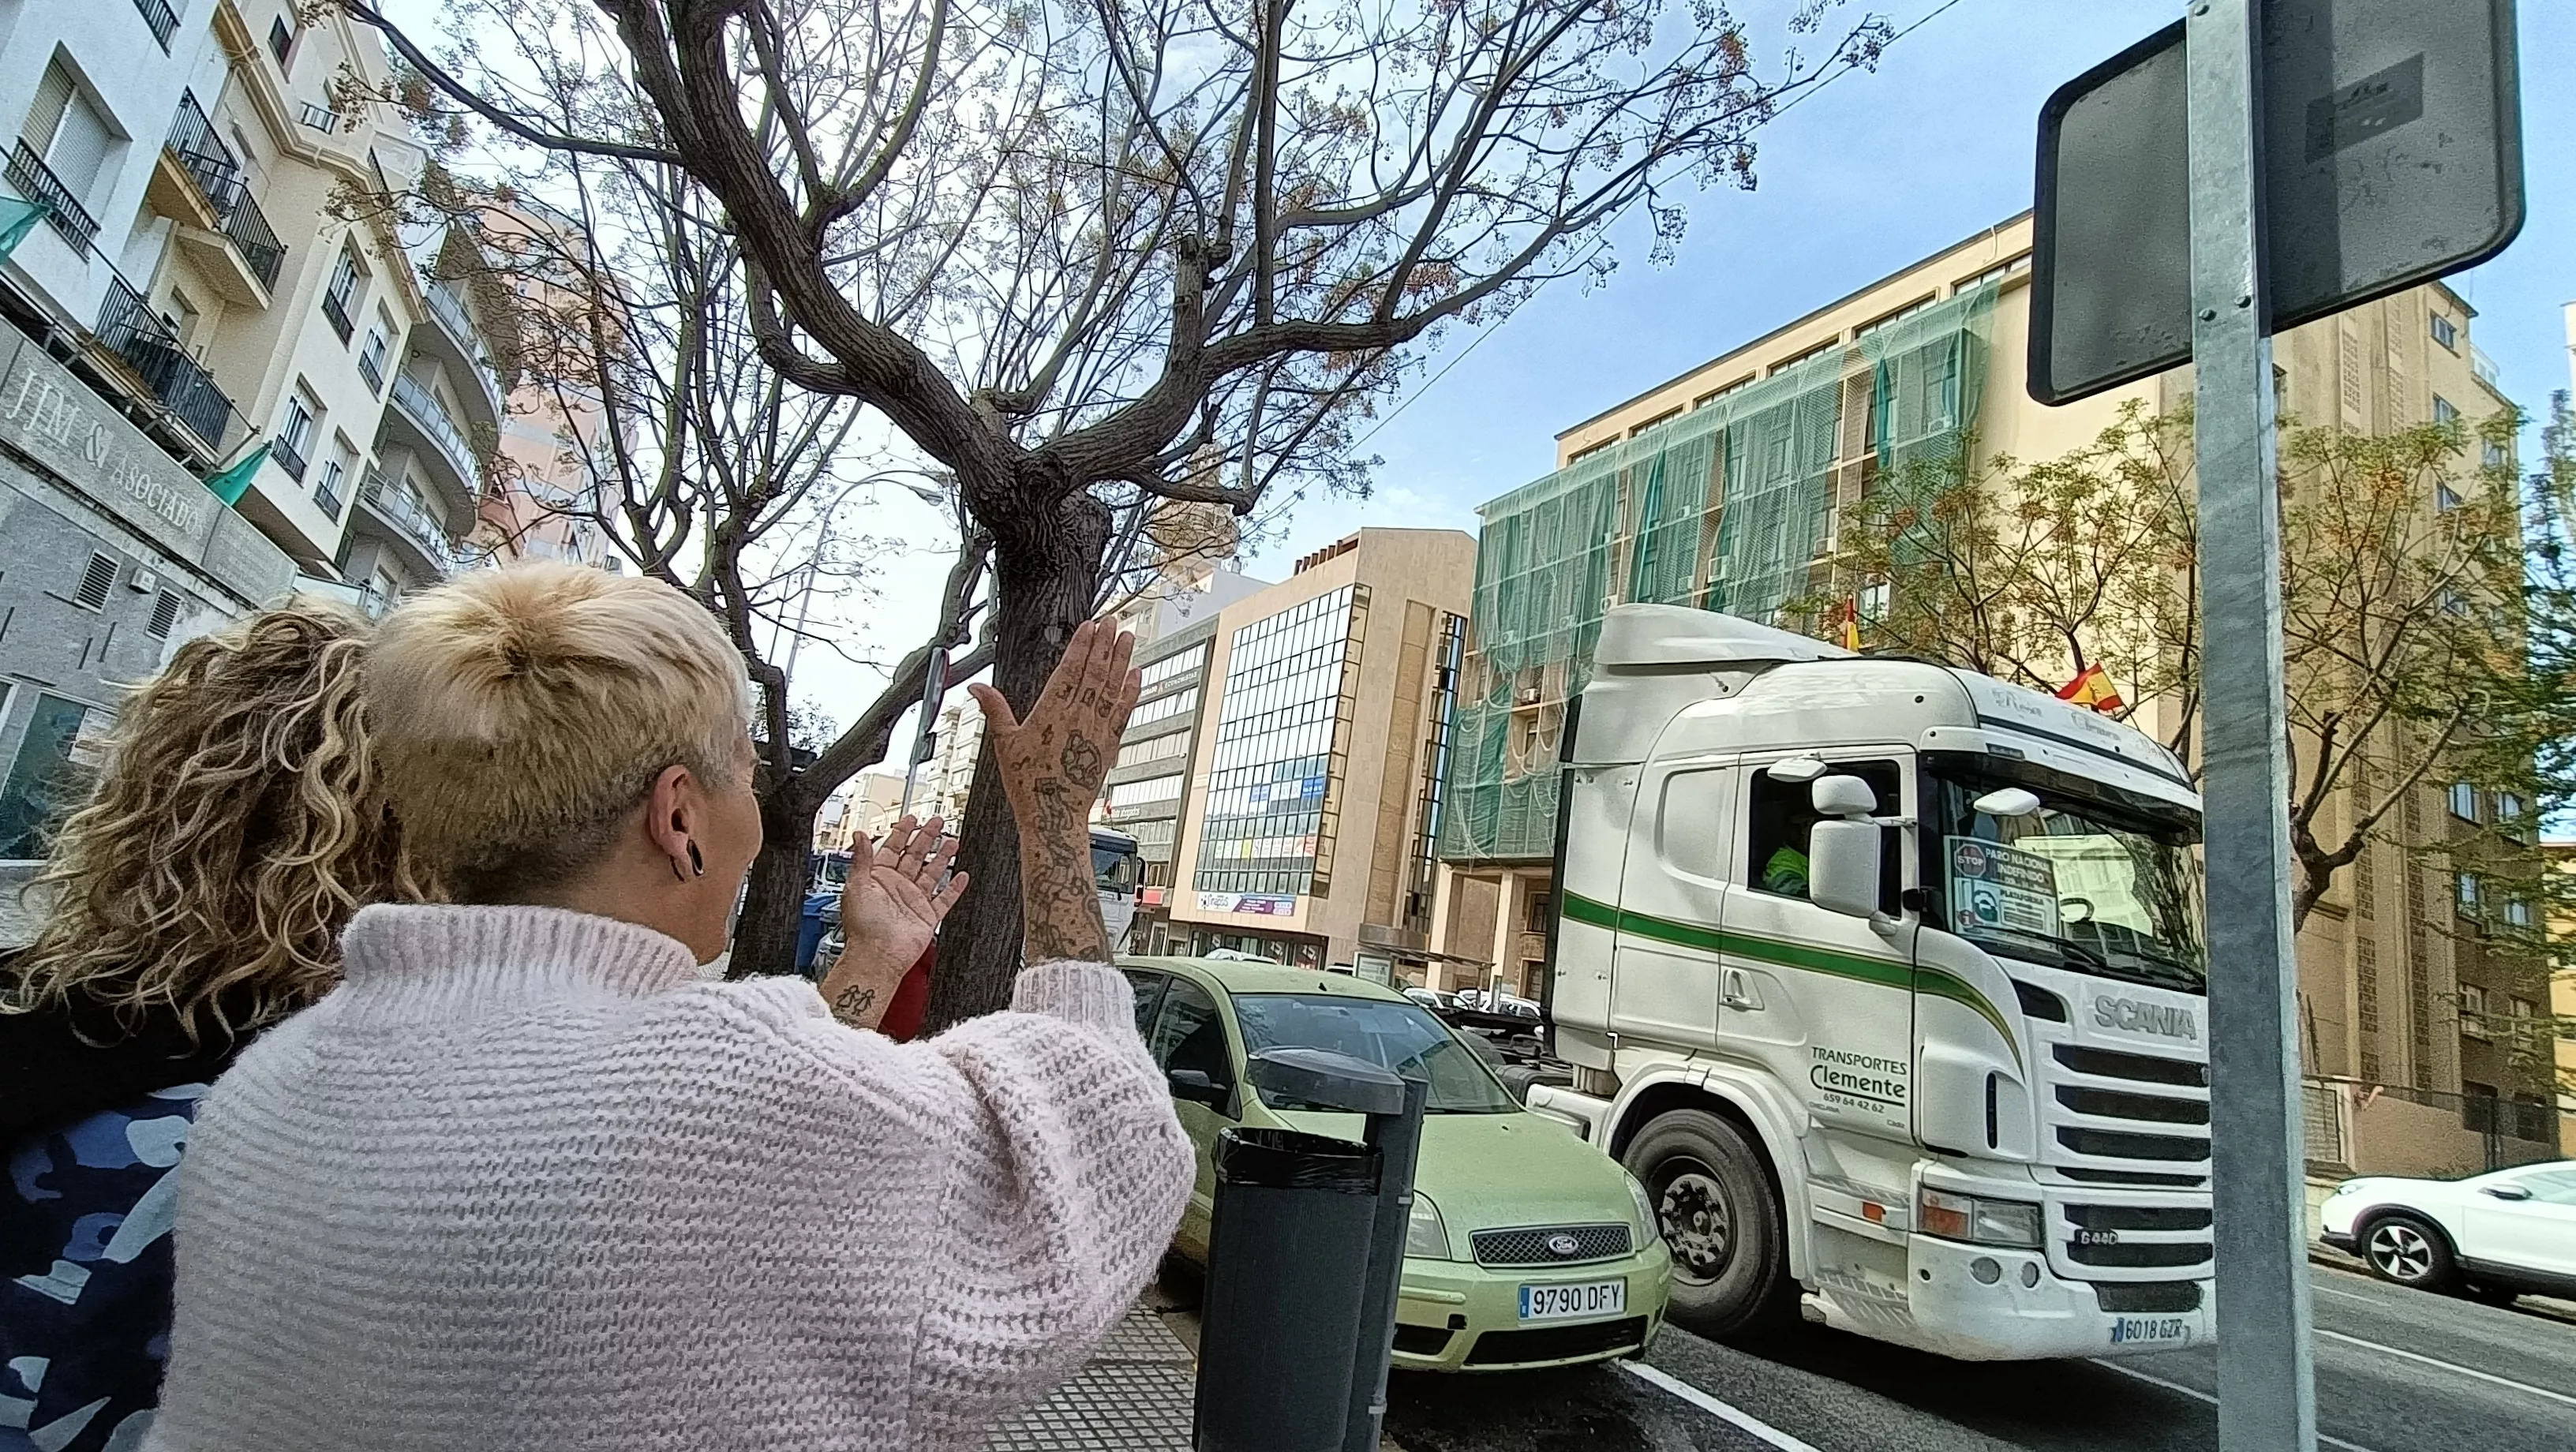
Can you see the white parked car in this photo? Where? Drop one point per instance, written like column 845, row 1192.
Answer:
column 2491, row 1236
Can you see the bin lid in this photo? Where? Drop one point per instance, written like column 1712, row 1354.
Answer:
column 1323, row 1079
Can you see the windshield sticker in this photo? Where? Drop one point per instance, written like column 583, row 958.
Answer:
column 1993, row 886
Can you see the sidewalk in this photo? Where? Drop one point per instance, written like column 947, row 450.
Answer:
column 1133, row 1396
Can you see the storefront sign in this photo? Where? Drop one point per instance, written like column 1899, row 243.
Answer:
column 1257, row 904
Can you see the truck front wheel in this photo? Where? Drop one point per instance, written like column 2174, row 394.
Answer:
column 1721, row 1220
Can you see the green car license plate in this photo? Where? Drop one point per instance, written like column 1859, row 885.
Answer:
column 1574, row 1302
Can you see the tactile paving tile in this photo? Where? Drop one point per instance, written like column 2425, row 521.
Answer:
column 1135, row 1395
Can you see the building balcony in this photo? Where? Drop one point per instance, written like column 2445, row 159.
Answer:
column 138, row 337
column 37, row 183
column 394, row 512
column 199, row 183
column 460, row 344
column 163, row 20
column 418, row 421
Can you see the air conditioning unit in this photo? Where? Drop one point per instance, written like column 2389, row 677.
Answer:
column 143, row 582
column 1525, row 696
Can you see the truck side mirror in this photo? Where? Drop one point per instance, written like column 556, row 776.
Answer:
column 1842, row 866
column 1843, row 849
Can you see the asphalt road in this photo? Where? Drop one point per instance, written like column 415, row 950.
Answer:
column 2397, row 1371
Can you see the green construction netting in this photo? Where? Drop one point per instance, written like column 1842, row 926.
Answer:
column 1726, row 507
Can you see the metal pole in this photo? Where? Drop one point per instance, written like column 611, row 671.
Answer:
column 1398, row 1138
column 2266, row 1386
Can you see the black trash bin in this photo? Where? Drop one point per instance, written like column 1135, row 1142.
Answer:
column 1274, row 1333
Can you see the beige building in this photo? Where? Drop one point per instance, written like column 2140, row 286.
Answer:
column 1806, row 416
column 1311, row 794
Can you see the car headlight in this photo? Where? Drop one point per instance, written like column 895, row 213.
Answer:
column 1424, row 1236
column 1976, row 1220
column 1650, row 1225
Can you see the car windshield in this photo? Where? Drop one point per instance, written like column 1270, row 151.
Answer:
column 1113, row 869
column 2099, row 887
column 1399, row 1036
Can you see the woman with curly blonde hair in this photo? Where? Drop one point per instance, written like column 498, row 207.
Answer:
column 196, row 899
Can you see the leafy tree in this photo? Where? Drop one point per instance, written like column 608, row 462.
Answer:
column 1067, row 248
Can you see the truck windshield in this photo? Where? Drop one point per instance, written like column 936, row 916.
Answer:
column 2080, row 883
column 1400, row 1036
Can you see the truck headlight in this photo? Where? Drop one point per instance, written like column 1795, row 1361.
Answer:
column 1976, row 1220
column 1424, row 1236
column 1650, row 1225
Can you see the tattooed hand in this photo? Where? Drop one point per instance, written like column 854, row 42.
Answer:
column 1051, row 767
column 892, row 905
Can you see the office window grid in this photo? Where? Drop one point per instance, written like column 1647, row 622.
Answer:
column 1163, row 708
column 1274, row 787
column 1139, row 793
column 1179, row 664
column 1153, row 748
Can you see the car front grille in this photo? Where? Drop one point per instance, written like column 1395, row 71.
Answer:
column 1550, row 1244
column 1557, row 1343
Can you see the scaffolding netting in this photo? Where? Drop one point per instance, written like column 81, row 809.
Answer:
column 1730, row 506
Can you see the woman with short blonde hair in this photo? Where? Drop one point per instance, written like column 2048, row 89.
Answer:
column 196, row 898
column 530, row 1178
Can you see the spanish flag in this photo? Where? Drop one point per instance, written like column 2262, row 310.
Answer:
column 1851, row 626
column 2092, row 687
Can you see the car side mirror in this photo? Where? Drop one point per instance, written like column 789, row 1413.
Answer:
column 1194, row 1085
column 2506, row 1192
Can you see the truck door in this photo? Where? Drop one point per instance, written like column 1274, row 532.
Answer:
column 1672, row 897
column 1821, row 999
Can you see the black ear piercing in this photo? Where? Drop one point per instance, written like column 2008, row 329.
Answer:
column 697, row 861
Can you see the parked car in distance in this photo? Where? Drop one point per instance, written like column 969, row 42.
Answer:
column 1527, row 1247
column 1433, row 999
column 2492, row 1236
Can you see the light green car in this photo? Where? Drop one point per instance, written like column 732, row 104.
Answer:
column 1527, row 1246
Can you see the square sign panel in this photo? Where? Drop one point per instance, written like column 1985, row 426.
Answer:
column 2392, row 155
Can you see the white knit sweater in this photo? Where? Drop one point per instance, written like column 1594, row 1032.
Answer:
column 525, row 1181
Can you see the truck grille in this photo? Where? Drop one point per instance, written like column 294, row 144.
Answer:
column 2127, row 1113
column 1550, row 1244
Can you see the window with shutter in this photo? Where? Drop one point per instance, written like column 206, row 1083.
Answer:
column 96, row 581
column 45, row 115
column 165, row 613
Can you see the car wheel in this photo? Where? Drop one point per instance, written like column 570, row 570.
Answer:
column 1721, row 1219
column 2408, row 1250
column 2487, row 1295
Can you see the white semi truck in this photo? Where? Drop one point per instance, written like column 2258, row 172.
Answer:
column 1886, row 979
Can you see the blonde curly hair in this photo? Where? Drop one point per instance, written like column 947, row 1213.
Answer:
column 236, row 827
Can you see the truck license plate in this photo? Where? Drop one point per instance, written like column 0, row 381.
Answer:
column 1570, row 1303
column 2141, row 1330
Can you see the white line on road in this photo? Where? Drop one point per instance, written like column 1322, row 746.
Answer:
column 1656, row 1376
column 2487, row 1376
column 2199, row 1395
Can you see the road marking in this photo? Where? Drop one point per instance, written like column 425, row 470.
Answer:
column 2349, row 1296
column 2198, row 1395
column 1656, row 1376
column 2486, row 1376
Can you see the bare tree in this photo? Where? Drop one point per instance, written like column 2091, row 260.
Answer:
column 1066, row 246
column 707, row 468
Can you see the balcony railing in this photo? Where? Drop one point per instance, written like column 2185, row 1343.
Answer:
column 372, row 371
column 2484, row 368
column 450, row 310
column 37, row 183
column 204, row 157
column 320, row 118
column 326, row 491
column 134, row 333
column 423, row 408
column 248, row 228
column 289, row 456
column 336, row 311
column 403, row 509
column 162, row 19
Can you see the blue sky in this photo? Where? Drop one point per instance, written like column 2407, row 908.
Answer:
column 1875, row 172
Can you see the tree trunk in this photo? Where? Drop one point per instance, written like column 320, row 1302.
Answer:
column 764, row 934
column 1045, row 582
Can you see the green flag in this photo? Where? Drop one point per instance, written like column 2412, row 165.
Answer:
column 17, row 219
column 230, row 485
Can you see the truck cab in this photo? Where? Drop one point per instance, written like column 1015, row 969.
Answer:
column 1886, row 979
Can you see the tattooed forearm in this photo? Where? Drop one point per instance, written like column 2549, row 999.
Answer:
column 1059, row 905
column 851, row 1006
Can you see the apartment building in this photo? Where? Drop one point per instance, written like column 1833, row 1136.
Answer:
column 1309, row 797
column 227, row 374
column 1148, row 785
column 1721, row 488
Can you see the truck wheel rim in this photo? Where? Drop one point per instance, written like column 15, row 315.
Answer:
column 2400, row 1253
column 1698, row 1223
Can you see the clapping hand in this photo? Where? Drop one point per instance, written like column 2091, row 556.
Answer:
column 890, row 909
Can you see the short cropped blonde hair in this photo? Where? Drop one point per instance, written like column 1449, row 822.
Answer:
column 522, row 713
